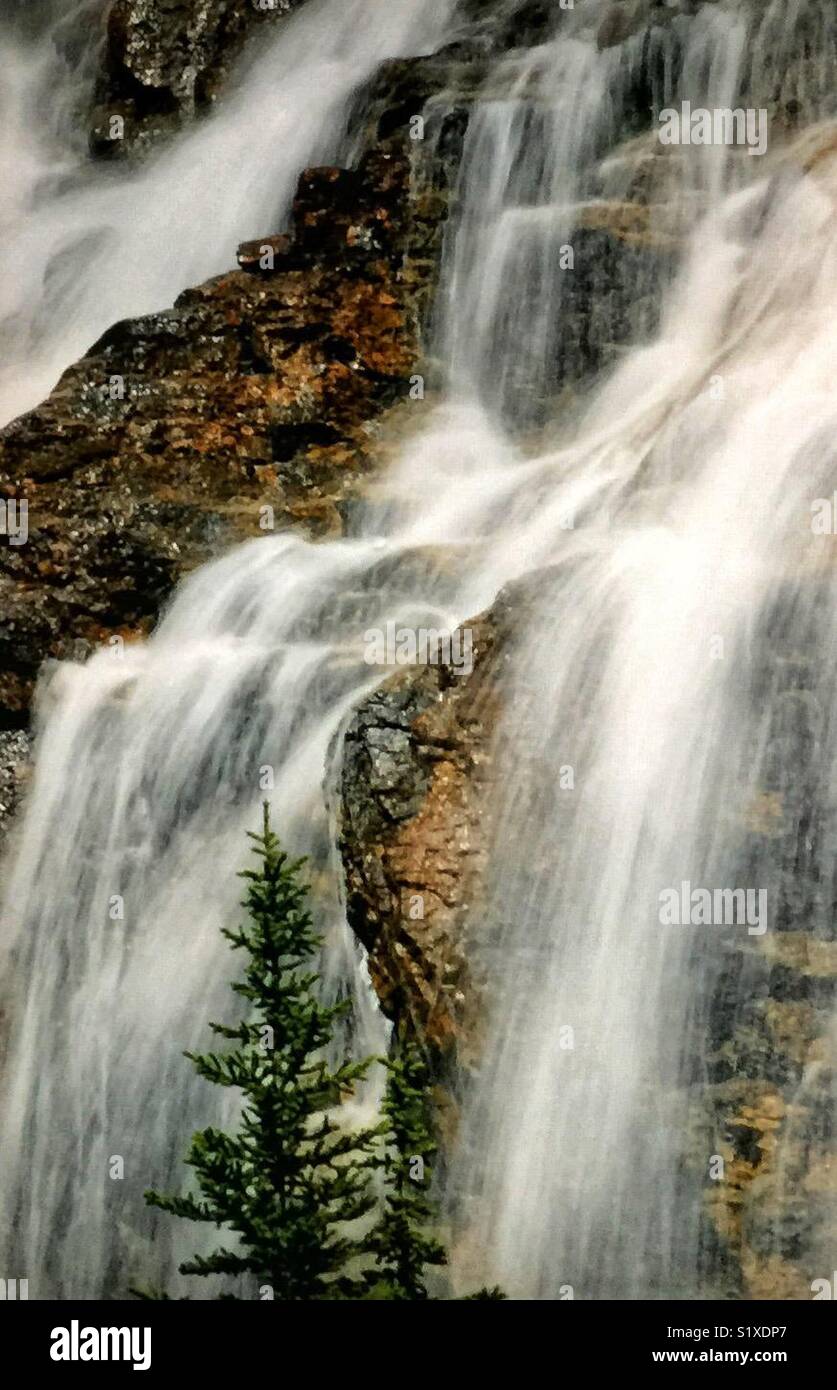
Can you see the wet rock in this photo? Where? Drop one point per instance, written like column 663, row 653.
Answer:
column 513, row 23
column 248, row 407
column 164, row 62
column 616, row 26
column 15, row 772
column 413, row 763
column 415, row 823
column 261, row 255
column 612, row 297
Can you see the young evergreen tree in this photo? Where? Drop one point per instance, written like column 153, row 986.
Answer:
column 292, row 1177
column 400, row 1242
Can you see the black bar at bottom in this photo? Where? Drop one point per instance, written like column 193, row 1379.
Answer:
column 279, row 1340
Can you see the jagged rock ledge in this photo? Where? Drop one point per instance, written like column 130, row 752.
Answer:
column 164, row 443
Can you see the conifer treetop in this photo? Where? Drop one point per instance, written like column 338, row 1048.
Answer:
column 293, row 1178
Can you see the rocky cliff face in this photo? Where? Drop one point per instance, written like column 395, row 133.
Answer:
column 262, row 399
column 166, row 61
column 264, row 388
column 416, row 784
column 249, row 406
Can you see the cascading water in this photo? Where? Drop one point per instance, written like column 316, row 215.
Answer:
column 667, row 523
column 288, row 706
column 89, row 250
column 655, row 694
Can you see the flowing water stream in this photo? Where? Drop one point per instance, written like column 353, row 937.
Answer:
column 667, row 522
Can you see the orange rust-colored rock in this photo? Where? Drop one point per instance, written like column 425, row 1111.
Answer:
column 168, row 440
column 416, row 788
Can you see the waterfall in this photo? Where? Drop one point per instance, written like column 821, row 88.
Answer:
column 152, row 808
column 91, row 248
column 677, row 579
column 678, row 651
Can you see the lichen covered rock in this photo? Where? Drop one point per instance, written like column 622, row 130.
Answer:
column 415, row 781
column 251, row 405
column 166, row 60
